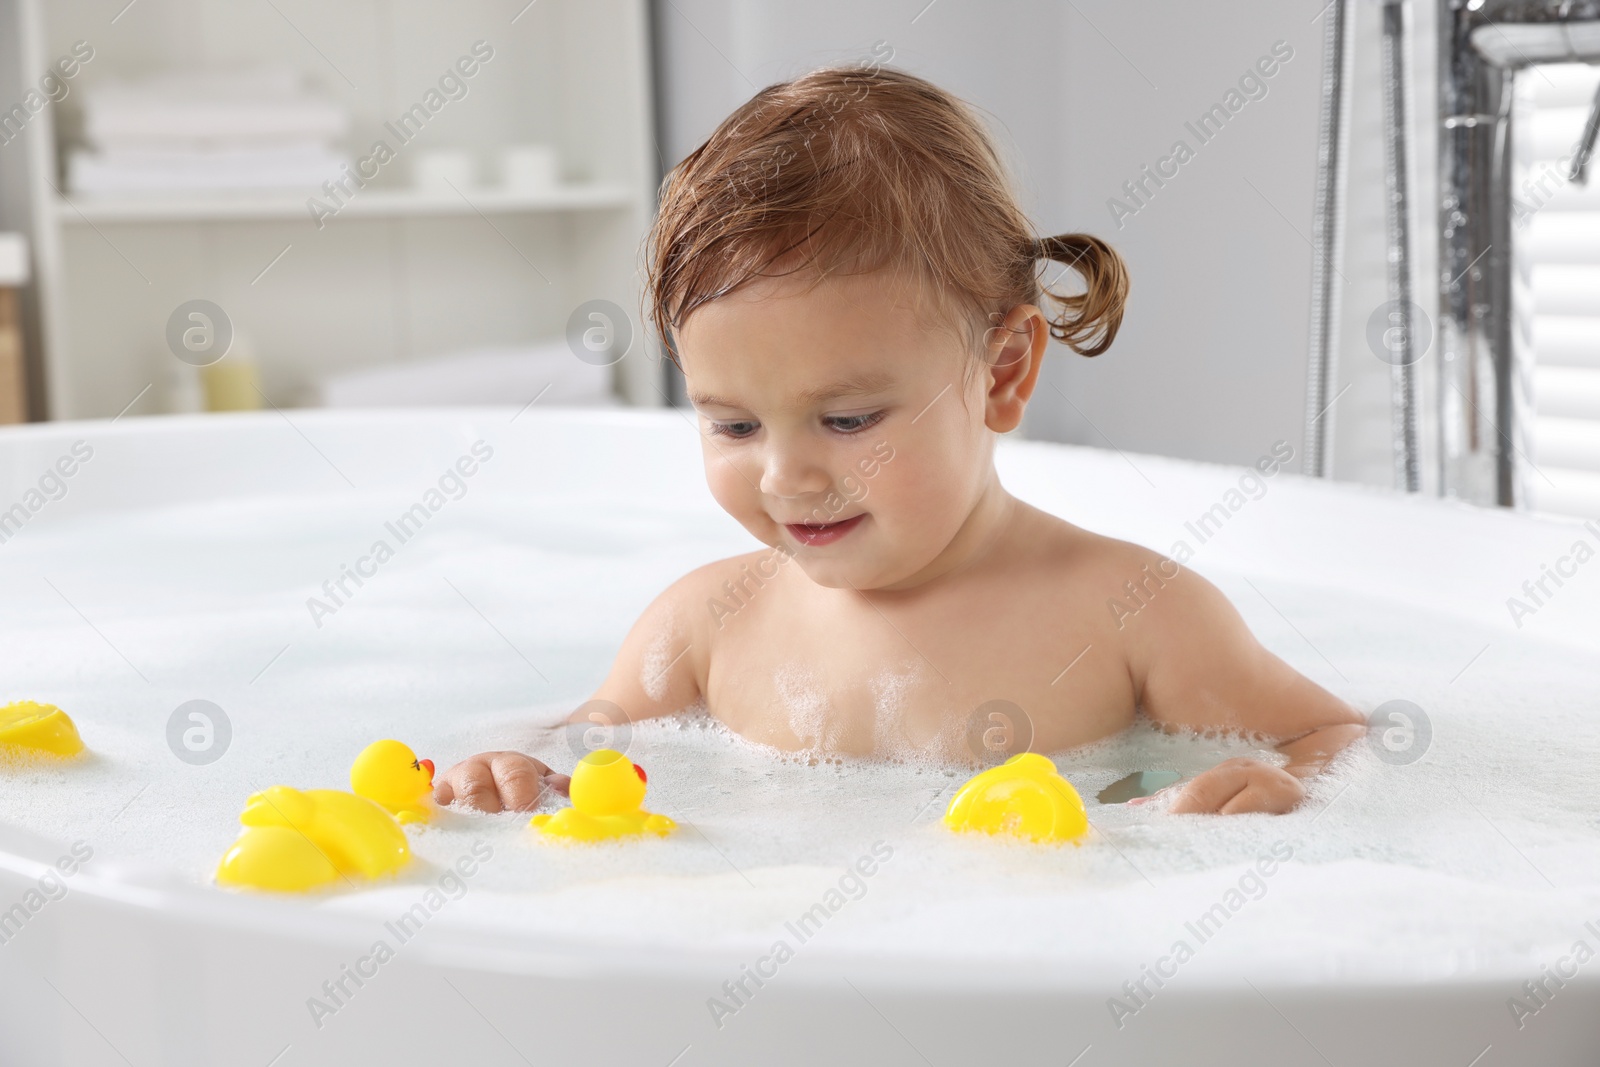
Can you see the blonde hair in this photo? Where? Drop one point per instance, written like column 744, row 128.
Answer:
column 857, row 169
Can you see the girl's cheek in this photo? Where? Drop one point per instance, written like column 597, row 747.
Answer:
column 887, row 491
column 920, row 491
column 727, row 488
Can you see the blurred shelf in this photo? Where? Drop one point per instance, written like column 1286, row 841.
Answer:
column 366, row 203
column 573, row 75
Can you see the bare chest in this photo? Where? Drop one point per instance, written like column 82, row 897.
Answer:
column 951, row 677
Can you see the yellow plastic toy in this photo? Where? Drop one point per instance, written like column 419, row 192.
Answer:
column 1023, row 797
column 391, row 774
column 607, row 789
column 37, row 729
column 294, row 840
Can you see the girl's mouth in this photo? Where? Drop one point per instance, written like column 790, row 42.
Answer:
column 824, row 533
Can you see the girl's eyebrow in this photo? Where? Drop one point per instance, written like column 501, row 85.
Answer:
column 865, row 382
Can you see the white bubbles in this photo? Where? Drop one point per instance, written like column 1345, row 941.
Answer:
column 1375, row 846
column 654, row 674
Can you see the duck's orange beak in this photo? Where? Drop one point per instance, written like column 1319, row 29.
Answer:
column 640, row 772
column 427, row 764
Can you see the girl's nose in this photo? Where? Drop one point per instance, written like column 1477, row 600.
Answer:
column 790, row 471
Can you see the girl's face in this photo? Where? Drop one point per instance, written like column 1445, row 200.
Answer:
column 845, row 423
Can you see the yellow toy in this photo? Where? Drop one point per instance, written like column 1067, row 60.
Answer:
column 294, row 840
column 391, row 774
column 35, row 729
column 607, row 789
column 1023, row 797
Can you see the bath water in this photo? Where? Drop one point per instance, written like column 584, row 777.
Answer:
column 487, row 628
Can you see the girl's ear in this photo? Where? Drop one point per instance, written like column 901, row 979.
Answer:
column 1013, row 349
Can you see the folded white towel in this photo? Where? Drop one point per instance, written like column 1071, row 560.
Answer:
column 216, row 82
column 125, row 116
column 92, row 173
column 152, row 147
column 210, row 106
column 508, row 375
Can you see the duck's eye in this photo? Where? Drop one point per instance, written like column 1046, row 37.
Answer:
column 416, row 765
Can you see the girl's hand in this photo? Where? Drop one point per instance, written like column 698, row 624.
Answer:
column 1235, row 786
column 498, row 781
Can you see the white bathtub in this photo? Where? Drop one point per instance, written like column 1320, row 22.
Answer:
column 1368, row 949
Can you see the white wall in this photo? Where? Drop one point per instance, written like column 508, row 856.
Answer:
column 1211, row 361
column 715, row 54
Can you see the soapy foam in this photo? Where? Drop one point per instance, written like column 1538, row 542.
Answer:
column 653, row 674
column 1484, row 854
column 889, row 689
column 804, row 704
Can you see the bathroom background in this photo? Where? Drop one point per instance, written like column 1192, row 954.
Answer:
column 160, row 153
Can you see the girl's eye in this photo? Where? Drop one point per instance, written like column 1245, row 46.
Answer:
column 854, row 423
column 732, row 429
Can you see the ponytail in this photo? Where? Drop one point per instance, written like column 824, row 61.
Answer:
column 1097, row 311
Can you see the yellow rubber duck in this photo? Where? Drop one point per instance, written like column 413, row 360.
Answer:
column 27, row 728
column 1023, row 797
column 295, row 840
column 391, row 774
column 607, row 789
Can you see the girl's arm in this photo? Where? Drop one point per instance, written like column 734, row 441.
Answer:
column 1197, row 665
column 657, row 671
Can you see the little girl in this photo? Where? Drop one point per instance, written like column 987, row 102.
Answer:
column 843, row 276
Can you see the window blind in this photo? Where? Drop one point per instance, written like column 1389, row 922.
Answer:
column 1556, row 308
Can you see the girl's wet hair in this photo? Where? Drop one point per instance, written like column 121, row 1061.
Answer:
column 855, row 169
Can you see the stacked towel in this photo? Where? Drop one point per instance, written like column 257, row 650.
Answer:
column 208, row 131
column 509, row 375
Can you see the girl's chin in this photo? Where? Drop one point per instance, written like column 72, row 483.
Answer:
column 861, row 575
column 838, row 574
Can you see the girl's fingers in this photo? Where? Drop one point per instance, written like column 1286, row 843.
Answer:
column 519, row 780
column 493, row 782
column 1153, row 797
column 474, row 786
column 1208, row 792
column 1275, row 793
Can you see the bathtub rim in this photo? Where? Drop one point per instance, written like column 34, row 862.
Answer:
column 141, row 892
